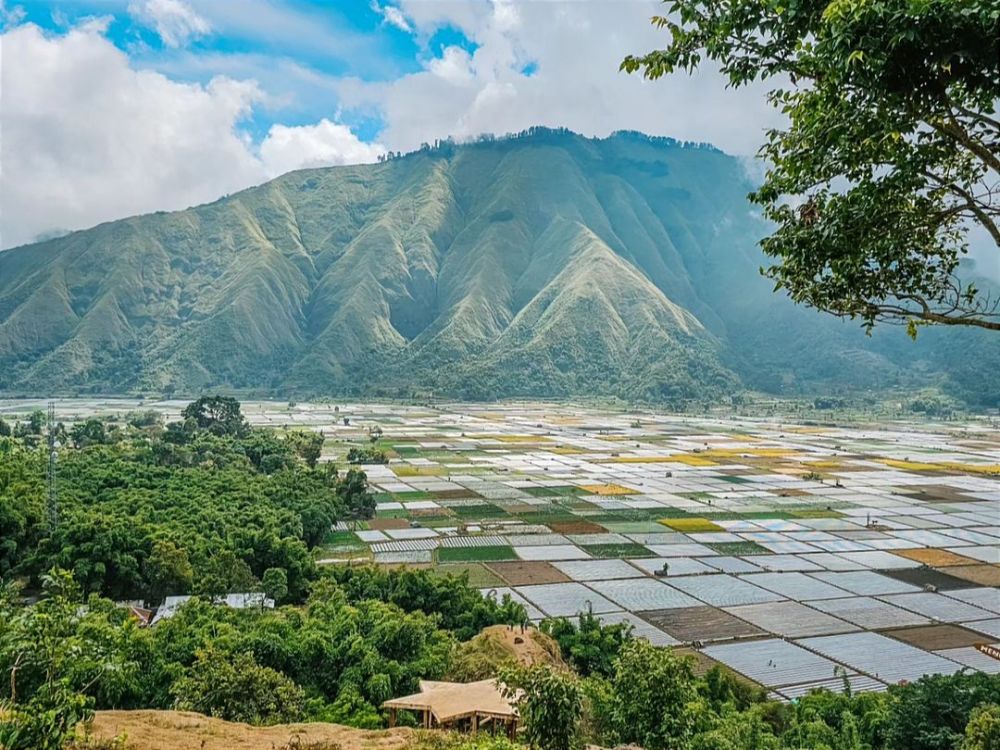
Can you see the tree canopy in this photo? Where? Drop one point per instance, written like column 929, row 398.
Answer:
column 891, row 154
column 205, row 505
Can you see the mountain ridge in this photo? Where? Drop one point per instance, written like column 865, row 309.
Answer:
column 546, row 264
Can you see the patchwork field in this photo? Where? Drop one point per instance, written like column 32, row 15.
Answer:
column 798, row 556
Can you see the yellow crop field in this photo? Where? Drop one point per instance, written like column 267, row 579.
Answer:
column 989, row 469
column 690, row 525
column 639, row 459
column 608, row 489
column 508, row 438
column 690, row 459
column 827, row 465
column 756, row 452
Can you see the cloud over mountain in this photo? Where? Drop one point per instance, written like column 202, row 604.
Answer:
column 87, row 137
column 161, row 104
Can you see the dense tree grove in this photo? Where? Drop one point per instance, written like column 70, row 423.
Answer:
column 589, row 647
column 462, row 610
column 333, row 659
column 205, row 505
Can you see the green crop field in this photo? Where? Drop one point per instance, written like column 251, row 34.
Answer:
column 475, row 554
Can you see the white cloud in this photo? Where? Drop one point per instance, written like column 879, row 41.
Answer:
column 465, row 15
column 574, row 50
column 392, row 16
column 87, row 138
column 298, row 28
column 321, row 145
column 10, row 15
column 454, row 66
column 174, row 20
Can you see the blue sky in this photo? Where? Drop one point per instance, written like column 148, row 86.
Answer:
column 118, row 107
column 349, row 38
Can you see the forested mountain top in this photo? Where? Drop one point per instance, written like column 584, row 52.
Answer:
column 546, row 264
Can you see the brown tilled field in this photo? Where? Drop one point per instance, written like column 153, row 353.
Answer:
column 381, row 524
column 936, row 558
column 935, row 637
column 983, row 575
column 527, row 573
column 576, row 527
column 700, row 624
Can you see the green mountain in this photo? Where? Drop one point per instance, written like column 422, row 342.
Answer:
column 546, row 264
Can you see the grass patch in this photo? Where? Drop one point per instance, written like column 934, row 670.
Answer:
column 633, row 515
column 392, row 513
column 342, row 539
column 565, row 491
column 547, row 517
column 576, row 502
column 413, row 495
column 738, row 548
column 476, row 512
column 475, row 554
column 404, row 470
column 505, row 438
column 480, row 577
column 617, row 551
column 816, row 513
column 763, row 515
column 700, row 496
column 633, row 527
column 691, row 525
column 341, row 544
column 433, row 520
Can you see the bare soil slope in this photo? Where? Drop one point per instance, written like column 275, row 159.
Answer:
column 182, row 730
column 483, row 656
column 528, row 648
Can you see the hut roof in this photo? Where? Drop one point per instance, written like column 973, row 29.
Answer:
column 450, row 701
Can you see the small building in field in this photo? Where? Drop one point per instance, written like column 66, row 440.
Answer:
column 473, row 706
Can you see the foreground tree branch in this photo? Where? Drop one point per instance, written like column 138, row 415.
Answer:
column 891, row 144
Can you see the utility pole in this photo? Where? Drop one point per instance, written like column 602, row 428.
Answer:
column 53, row 497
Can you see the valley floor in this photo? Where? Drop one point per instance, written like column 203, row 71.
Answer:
column 798, row 555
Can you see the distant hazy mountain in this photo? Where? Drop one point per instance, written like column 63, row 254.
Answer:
column 542, row 265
